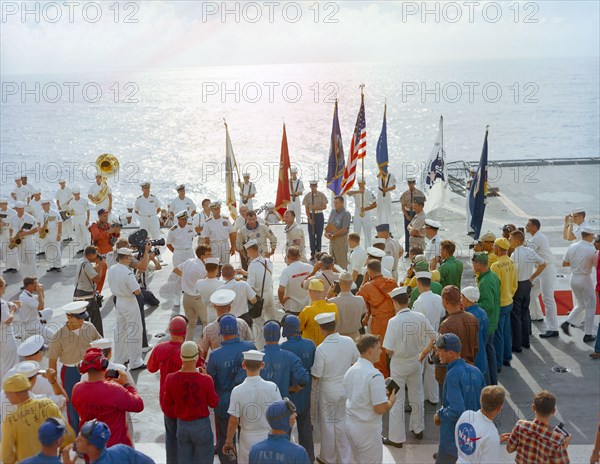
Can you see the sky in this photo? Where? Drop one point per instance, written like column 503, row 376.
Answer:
column 51, row 37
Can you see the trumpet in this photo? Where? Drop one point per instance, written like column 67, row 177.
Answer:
column 107, row 165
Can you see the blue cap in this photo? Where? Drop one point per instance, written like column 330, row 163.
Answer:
column 272, row 331
column 228, row 325
column 51, row 430
column 449, row 342
column 96, row 432
column 278, row 416
column 382, row 228
column 291, row 325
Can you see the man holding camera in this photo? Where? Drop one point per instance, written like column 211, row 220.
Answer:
column 103, row 237
column 90, row 270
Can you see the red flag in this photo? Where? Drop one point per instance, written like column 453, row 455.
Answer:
column 283, row 184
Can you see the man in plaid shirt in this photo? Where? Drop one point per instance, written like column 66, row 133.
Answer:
column 536, row 442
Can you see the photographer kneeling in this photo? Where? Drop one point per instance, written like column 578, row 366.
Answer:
column 90, row 270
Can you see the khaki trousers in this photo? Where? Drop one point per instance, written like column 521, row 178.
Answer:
column 193, row 308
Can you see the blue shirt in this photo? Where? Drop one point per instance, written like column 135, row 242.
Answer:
column 283, row 368
column 305, row 349
column 223, row 366
column 122, row 454
column 484, row 323
column 461, row 392
column 278, row 449
column 41, row 459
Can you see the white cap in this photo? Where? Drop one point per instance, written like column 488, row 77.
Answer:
column 588, row 229
column 250, row 243
column 129, row 205
column 222, row 297
column 579, row 209
column 75, row 190
column 36, row 192
column 215, row 204
column 411, row 179
column 270, row 205
column 253, row 355
column 324, row 318
column 125, row 251
column 145, row 184
column 423, row 275
column 3, row 200
column 18, row 177
column 212, row 261
column 181, row 214
column 61, row 181
column 246, row 174
column 433, row 224
column 293, row 169
column 77, row 307
column 27, row 368
column 471, row 293
column 102, row 343
column 129, row 215
column 398, row 291
column 376, row 252
column 378, row 241
column 45, row 201
column 46, row 314
column 19, row 204
column 31, row 346
column 314, row 182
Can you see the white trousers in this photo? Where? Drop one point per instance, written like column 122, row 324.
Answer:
column 431, row 386
column 363, row 224
column 128, row 332
column 179, row 257
column 384, row 210
column 67, row 229
column 365, row 441
column 247, row 439
column 407, row 373
column 27, row 253
column 52, row 250
column 151, row 224
column 220, row 249
column 81, row 235
column 544, row 284
column 332, row 420
column 10, row 257
column 583, row 291
column 296, row 207
column 8, row 351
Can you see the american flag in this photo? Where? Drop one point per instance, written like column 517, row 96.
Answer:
column 358, row 147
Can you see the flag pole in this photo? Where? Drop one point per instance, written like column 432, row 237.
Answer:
column 362, row 194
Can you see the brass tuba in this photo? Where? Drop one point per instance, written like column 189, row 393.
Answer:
column 107, row 165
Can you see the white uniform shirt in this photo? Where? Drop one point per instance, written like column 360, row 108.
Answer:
column 205, row 288
column 122, row 281
column 249, row 402
column 390, row 182
column 146, row 207
column 10, row 215
column 256, row 271
column 80, row 207
column 582, row 257
column 357, row 259
column 407, row 334
column 525, row 262
column 35, row 208
column 365, row 388
column 28, row 312
column 192, row 270
column 198, row 220
column 16, row 223
column 181, row 238
column 333, row 358
column 291, row 278
column 5, row 329
column 177, row 204
column 369, row 199
column 477, row 438
column 432, row 249
column 296, row 188
column 63, row 196
column 577, row 228
column 22, row 193
column 540, row 245
column 217, row 230
column 243, row 293
column 247, row 189
column 430, row 305
column 95, row 190
column 53, row 220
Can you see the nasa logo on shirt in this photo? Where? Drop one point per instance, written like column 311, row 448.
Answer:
column 467, row 438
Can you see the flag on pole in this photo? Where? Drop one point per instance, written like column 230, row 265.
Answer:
column 382, row 147
column 478, row 192
column 230, row 165
column 434, row 180
column 283, row 183
column 358, row 147
column 335, row 168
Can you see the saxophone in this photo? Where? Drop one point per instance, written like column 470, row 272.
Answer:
column 16, row 240
column 44, row 229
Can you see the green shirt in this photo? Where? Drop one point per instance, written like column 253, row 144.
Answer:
column 414, row 293
column 489, row 297
column 451, row 272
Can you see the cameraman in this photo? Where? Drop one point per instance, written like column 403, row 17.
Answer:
column 90, row 270
column 103, row 236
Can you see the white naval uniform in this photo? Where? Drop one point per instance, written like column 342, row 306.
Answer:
column 218, row 230
column 81, row 234
column 295, row 237
column 180, row 238
column 582, row 256
column 146, row 210
column 35, row 209
column 256, row 271
column 247, row 189
column 365, row 388
column 393, row 249
column 249, row 402
column 128, row 327
column 384, row 203
column 49, row 245
column 29, row 316
column 407, row 334
column 63, row 196
column 9, row 257
column 333, row 358
column 177, row 204
column 22, row 193
column 432, row 248
column 8, row 344
column 26, row 250
column 95, row 190
column 544, row 283
column 579, row 313
column 296, row 187
column 363, row 223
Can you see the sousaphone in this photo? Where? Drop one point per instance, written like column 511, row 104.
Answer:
column 107, row 165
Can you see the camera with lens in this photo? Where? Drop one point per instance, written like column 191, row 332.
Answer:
column 101, row 257
column 139, row 239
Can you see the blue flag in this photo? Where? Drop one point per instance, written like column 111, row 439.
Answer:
column 478, row 192
column 335, row 170
column 382, row 147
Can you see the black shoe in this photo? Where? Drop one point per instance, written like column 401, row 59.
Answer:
column 418, row 436
column 499, row 370
column 517, row 350
column 549, row 334
column 407, row 408
column 527, row 347
column 139, row 368
column 589, row 338
column 388, row 442
column 58, row 269
column 565, row 328
column 506, row 363
column 52, row 269
column 12, row 269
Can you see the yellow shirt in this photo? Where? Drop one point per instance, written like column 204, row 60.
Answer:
column 20, row 428
column 506, row 271
column 310, row 329
column 412, row 283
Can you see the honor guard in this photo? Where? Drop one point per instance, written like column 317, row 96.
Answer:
column 80, row 220
column 182, row 203
column 296, row 191
column 63, row 195
column 147, row 206
column 315, row 203
column 218, row 233
column 364, row 201
column 22, row 227
column 179, row 242
column 95, row 189
column 406, row 201
column 416, row 227
column 8, row 256
column 386, row 183
column 247, row 191
column 50, row 224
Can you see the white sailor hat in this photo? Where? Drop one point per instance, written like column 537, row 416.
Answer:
column 423, row 275
column 31, row 346
column 18, row 177
column 125, row 251
column 3, row 200
column 246, row 174
column 250, row 243
column 180, row 187
column 222, row 297
column 46, row 314
column 270, row 205
column 75, row 190
column 314, row 182
column 215, row 204
column 19, row 204
column 27, row 368
column 398, row 291
column 432, row 224
column 471, row 293
column 588, row 229
column 375, row 252
column 129, row 205
column 45, row 201
column 212, row 261
column 253, row 355
column 36, row 192
column 129, row 215
column 411, row 178
column 145, row 184
column 102, row 343
column 61, row 181
column 76, row 308
column 324, row 318
column 293, row 169
column 578, row 210
column 378, row 241
column 181, row 214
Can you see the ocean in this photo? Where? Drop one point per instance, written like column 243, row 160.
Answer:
column 167, row 126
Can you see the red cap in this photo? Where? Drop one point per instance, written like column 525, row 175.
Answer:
column 177, row 326
column 93, row 359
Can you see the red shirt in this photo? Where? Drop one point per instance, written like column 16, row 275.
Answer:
column 536, row 442
column 166, row 357
column 101, row 238
column 189, row 394
column 108, row 402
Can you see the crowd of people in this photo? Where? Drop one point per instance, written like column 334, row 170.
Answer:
column 342, row 341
